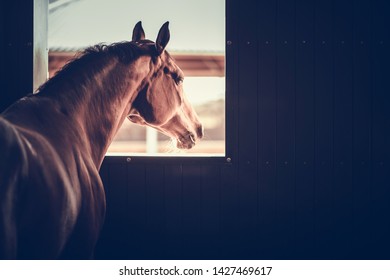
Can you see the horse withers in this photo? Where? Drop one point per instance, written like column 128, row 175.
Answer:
column 52, row 143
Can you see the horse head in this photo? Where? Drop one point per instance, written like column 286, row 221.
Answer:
column 161, row 102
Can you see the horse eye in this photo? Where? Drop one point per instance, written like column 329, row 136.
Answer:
column 179, row 80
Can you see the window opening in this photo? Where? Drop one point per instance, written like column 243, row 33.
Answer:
column 197, row 44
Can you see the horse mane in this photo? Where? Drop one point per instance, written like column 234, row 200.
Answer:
column 125, row 52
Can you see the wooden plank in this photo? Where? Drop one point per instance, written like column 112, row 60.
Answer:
column 155, row 210
column 361, row 127
column 117, row 193
column 285, row 190
column 304, row 126
column 380, row 192
column 343, row 100
column 116, row 215
column 210, row 196
column 191, row 211
column 229, row 172
column 247, row 146
column 324, row 80
column 3, row 48
column 267, row 126
column 210, row 211
column 17, row 55
column 229, row 211
column 136, row 229
column 173, row 205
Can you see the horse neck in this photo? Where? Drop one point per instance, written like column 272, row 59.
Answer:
column 101, row 104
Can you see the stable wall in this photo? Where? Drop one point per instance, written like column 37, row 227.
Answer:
column 308, row 112
column 307, row 134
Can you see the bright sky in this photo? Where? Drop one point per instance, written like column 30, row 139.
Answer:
column 194, row 24
column 203, row 89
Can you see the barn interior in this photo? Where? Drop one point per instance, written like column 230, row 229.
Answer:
column 304, row 169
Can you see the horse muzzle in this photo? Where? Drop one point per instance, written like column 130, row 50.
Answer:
column 190, row 139
column 187, row 141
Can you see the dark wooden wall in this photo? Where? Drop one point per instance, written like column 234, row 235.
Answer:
column 23, row 48
column 308, row 119
column 308, row 112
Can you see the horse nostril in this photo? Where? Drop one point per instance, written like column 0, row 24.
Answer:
column 192, row 138
column 199, row 131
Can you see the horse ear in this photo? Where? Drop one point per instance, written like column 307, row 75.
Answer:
column 138, row 32
column 162, row 38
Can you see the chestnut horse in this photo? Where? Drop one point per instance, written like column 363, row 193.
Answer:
column 52, row 143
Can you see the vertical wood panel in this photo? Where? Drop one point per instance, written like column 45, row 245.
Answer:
column 380, row 193
column 136, row 230
column 210, row 197
column 210, row 210
column 3, row 47
column 231, row 81
column 116, row 215
column 173, row 213
column 248, row 123
column 154, row 184
column 343, row 96
column 191, row 210
column 267, row 125
column 17, row 50
column 117, row 193
column 304, row 135
column 285, row 128
column 229, row 210
column 324, row 81
column 361, row 126
column 155, row 206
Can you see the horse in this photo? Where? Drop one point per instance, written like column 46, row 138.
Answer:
column 52, row 142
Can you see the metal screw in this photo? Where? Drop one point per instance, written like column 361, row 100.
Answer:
column 128, row 159
column 229, row 43
column 228, row 159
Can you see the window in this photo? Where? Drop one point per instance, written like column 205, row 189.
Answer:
column 197, row 44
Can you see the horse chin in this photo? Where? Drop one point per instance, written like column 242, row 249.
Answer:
column 184, row 146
